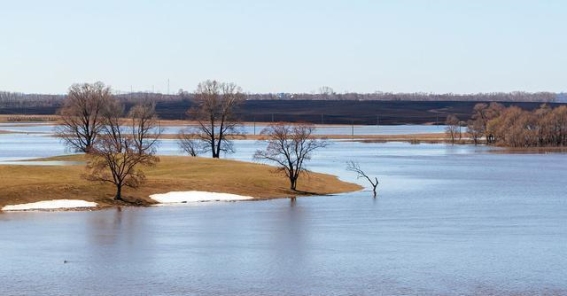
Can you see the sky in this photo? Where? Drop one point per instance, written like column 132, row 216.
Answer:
column 438, row 46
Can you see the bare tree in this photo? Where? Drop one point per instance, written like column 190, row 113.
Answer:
column 483, row 113
column 290, row 146
column 215, row 109
column 326, row 92
column 475, row 130
column 145, row 126
column 81, row 115
column 453, row 127
column 117, row 154
column 462, row 124
column 355, row 167
column 189, row 143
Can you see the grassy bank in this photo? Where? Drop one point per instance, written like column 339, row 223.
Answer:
column 25, row 184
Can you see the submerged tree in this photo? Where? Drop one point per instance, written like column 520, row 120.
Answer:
column 82, row 115
column 289, row 146
column 453, row 127
column 117, row 154
column 482, row 114
column 515, row 127
column 558, row 122
column 355, row 167
column 475, row 130
column 215, row 113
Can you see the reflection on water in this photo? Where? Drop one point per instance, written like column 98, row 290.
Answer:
column 448, row 220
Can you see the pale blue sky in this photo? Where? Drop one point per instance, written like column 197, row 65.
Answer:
column 459, row 46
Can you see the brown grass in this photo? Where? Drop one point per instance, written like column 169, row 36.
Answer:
column 20, row 118
column 25, row 184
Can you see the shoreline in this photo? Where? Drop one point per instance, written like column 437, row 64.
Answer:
column 169, row 198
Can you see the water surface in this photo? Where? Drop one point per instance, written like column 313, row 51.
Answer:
column 449, row 220
column 254, row 129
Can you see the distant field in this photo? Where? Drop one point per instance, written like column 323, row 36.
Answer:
column 321, row 111
column 344, row 112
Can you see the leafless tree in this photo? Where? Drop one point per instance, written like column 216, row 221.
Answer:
column 189, row 143
column 81, row 115
column 215, row 113
column 145, row 126
column 462, row 124
column 475, row 130
column 117, row 154
column 452, row 129
column 290, row 146
column 483, row 113
column 355, row 167
column 326, row 92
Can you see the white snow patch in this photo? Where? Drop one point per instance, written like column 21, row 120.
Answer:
column 196, row 196
column 51, row 204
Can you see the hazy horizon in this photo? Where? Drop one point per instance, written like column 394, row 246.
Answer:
column 407, row 46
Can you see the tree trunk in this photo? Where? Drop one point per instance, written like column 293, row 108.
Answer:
column 88, row 147
column 216, row 149
column 118, row 195
column 293, row 183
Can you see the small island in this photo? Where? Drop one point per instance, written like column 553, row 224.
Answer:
column 30, row 183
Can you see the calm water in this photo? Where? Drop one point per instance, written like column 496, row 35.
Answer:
column 26, row 146
column 448, row 220
column 254, row 129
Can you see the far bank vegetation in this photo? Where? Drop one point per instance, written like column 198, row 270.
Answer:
column 512, row 126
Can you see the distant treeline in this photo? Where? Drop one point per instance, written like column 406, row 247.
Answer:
column 22, row 100
column 543, row 127
column 542, row 97
column 513, row 126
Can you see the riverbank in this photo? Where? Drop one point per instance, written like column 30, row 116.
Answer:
column 27, row 184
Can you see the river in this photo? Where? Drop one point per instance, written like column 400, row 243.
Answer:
column 448, row 220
